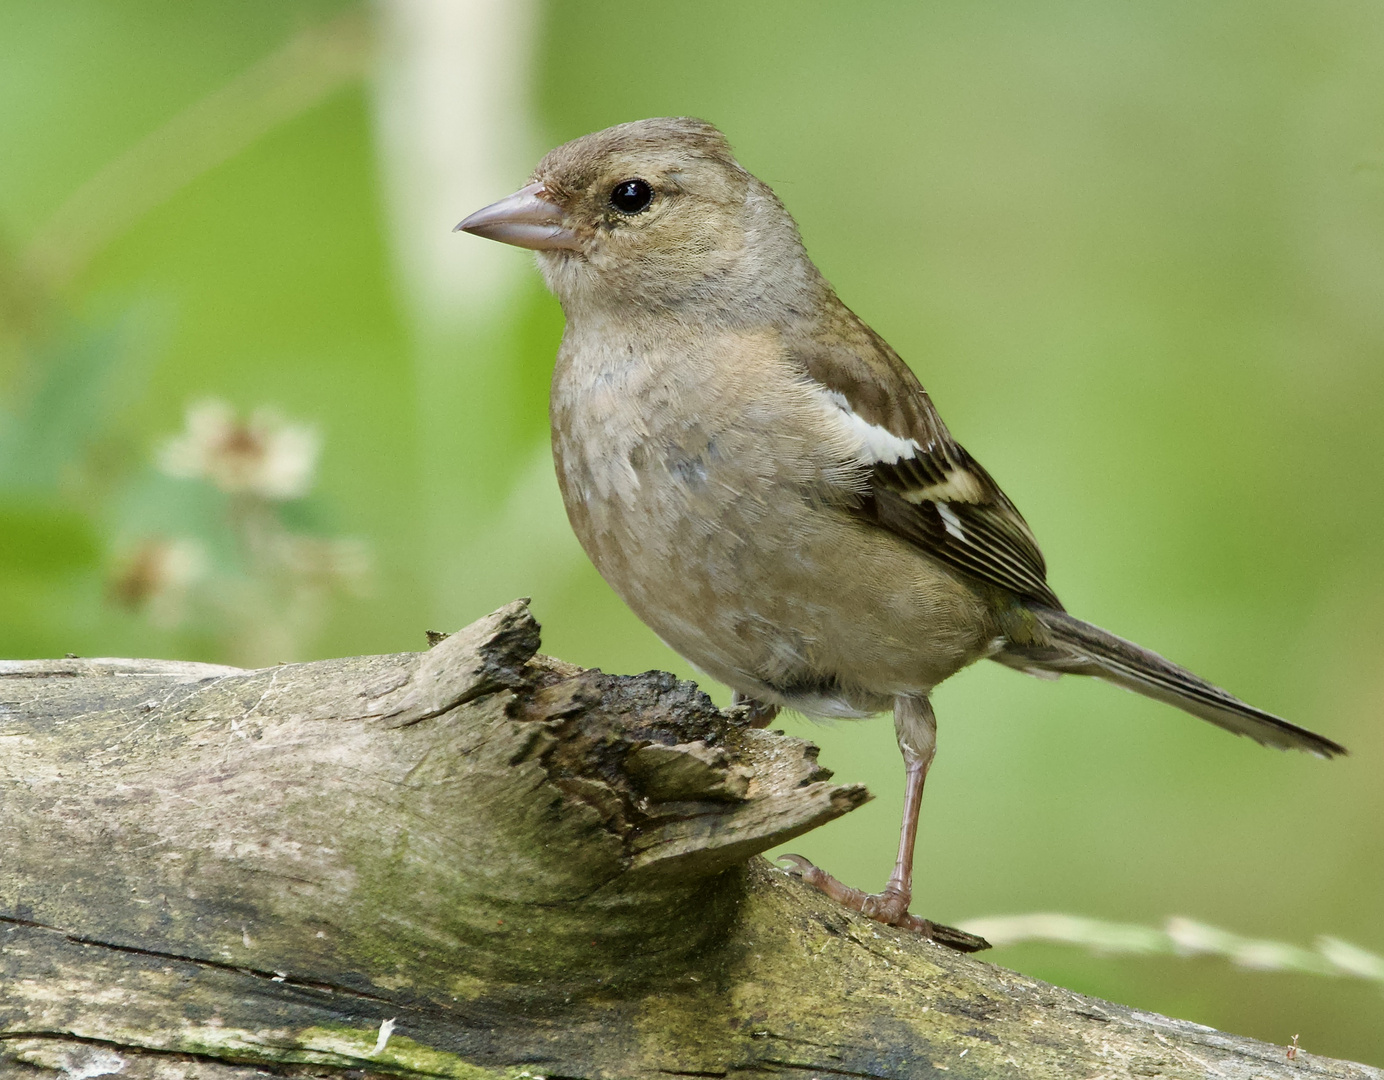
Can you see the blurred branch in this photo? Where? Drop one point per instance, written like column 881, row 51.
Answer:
column 1181, row 937
column 454, row 128
column 453, row 123
column 306, row 70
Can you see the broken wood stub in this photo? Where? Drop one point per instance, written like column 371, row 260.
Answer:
column 429, row 824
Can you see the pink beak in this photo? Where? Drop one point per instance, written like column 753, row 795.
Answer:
column 526, row 219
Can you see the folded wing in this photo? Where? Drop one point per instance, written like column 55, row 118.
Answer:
column 923, row 485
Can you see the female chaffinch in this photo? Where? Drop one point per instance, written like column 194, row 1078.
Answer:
column 762, row 479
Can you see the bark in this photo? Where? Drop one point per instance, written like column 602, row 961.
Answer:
column 473, row 862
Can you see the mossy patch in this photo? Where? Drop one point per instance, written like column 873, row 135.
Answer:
column 400, row 1055
column 341, row 1047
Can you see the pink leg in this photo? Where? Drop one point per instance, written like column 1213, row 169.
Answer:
column 916, row 728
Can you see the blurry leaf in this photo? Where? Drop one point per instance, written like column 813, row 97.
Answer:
column 309, row 515
column 80, row 381
column 159, row 505
column 42, row 539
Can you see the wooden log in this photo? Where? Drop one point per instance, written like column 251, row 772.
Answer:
column 473, row 862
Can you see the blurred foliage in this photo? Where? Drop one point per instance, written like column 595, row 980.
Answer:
column 1135, row 251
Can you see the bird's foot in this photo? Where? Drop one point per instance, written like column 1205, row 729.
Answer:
column 759, row 713
column 889, row 907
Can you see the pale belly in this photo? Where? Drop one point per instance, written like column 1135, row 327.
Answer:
column 750, row 573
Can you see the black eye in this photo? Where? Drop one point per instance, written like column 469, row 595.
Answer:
column 631, row 196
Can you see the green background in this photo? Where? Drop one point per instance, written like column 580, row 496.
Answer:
column 1135, row 251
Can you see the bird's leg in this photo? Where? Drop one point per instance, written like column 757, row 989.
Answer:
column 915, row 726
column 761, row 714
column 916, row 729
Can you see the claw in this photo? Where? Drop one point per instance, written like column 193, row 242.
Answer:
column 889, row 907
column 916, row 729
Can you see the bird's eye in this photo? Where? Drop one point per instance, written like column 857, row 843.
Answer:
column 631, row 196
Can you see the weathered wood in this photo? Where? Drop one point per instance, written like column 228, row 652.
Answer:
column 529, row 868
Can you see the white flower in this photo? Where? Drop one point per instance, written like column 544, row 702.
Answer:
column 265, row 456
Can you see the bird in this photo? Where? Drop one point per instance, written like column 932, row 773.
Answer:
column 767, row 484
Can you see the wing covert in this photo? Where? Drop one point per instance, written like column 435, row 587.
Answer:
column 923, row 485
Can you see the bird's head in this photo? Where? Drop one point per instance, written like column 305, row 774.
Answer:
column 655, row 213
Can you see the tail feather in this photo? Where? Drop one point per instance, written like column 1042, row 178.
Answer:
column 1079, row 648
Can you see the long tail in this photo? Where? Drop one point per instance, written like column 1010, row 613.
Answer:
column 1078, row 648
